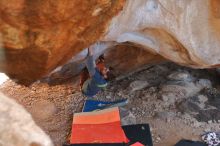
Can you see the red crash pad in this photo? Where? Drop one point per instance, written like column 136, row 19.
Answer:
column 98, row 127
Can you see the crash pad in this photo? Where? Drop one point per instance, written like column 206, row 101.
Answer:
column 102, row 126
column 137, row 144
column 91, row 104
column 137, row 134
column 190, row 143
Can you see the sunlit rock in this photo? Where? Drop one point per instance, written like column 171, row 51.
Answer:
column 17, row 127
column 39, row 36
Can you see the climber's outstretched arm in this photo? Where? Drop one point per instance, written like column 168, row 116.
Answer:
column 90, row 62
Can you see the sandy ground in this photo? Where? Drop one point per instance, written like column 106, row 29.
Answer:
column 156, row 95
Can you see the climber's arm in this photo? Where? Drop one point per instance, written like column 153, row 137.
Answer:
column 90, row 62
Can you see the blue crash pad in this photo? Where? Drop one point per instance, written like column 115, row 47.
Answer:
column 92, row 105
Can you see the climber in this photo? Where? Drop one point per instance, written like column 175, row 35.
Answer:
column 94, row 77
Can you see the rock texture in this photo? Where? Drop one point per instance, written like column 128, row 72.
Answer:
column 125, row 58
column 160, row 95
column 41, row 35
column 186, row 32
column 37, row 36
column 122, row 58
column 51, row 107
column 17, row 126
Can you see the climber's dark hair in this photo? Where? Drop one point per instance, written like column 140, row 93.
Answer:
column 110, row 74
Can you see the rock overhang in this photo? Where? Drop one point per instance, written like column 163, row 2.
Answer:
column 184, row 32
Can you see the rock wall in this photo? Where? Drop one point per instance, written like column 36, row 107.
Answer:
column 39, row 36
column 125, row 58
column 17, row 126
column 122, row 58
column 186, row 32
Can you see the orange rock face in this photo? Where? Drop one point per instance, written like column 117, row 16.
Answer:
column 38, row 35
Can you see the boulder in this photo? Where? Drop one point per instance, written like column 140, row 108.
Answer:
column 43, row 109
column 180, row 76
column 122, row 58
column 185, row 32
column 138, row 85
column 38, row 36
column 17, row 126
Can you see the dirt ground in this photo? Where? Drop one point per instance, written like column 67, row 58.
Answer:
column 177, row 102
